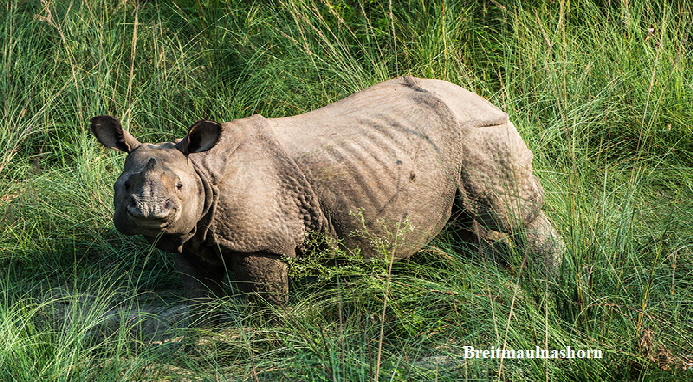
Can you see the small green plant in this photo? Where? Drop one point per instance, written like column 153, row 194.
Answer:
column 326, row 257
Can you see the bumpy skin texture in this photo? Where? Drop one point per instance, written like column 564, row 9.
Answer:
column 242, row 194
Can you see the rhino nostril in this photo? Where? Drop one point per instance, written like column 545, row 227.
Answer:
column 134, row 209
column 168, row 205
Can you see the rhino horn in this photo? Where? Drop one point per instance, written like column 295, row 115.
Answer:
column 151, row 164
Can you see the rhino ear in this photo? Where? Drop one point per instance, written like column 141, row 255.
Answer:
column 202, row 136
column 111, row 134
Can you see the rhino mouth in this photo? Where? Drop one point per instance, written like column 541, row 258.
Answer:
column 154, row 223
column 149, row 224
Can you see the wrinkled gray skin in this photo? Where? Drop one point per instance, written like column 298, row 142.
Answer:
column 242, row 194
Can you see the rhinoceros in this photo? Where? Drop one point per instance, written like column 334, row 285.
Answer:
column 244, row 195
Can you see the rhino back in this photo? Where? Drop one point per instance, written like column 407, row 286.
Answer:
column 390, row 152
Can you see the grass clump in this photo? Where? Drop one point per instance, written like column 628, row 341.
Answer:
column 600, row 91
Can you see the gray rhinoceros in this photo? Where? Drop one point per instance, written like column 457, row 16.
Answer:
column 240, row 195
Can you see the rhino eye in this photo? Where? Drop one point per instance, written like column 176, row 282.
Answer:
column 179, row 185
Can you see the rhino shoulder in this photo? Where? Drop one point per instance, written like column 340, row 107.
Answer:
column 263, row 201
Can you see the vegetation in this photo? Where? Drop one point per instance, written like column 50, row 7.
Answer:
column 601, row 90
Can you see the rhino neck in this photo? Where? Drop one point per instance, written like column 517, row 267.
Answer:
column 207, row 214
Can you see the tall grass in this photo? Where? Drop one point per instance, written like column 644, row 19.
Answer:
column 600, row 90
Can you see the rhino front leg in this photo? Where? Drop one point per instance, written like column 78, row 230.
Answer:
column 263, row 276
column 202, row 282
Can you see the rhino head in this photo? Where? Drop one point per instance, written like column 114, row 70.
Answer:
column 159, row 191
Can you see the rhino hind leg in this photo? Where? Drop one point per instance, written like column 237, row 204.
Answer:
column 545, row 243
column 537, row 241
column 262, row 276
column 502, row 199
